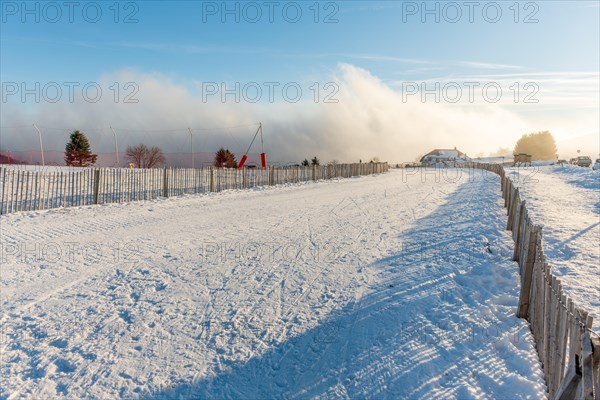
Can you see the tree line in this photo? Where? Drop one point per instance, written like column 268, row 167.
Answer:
column 78, row 153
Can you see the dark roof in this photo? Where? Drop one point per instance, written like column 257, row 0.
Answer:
column 437, row 152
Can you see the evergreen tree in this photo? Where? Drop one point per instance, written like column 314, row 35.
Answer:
column 315, row 161
column 225, row 159
column 78, row 152
column 305, row 163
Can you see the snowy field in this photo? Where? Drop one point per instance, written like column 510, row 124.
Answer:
column 392, row 286
column 566, row 201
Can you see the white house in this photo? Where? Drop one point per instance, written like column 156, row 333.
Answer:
column 444, row 156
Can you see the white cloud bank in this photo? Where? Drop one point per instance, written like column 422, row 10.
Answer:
column 370, row 119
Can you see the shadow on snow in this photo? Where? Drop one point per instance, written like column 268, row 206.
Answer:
column 439, row 322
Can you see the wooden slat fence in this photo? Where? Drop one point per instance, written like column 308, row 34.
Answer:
column 33, row 190
column 566, row 345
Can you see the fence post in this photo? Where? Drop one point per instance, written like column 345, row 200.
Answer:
column 509, row 193
column 570, row 383
column 2, row 194
column 523, row 310
column 506, row 191
column 212, row 179
column 524, row 249
column 587, row 365
column 561, row 338
column 511, row 210
column 520, row 235
column 96, row 185
column 596, row 371
column 551, row 347
column 165, row 183
column 511, row 185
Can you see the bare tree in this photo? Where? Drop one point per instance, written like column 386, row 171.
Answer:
column 154, row 157
column 136, row 154
column 145, row 157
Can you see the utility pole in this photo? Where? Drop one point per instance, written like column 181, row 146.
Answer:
column 41, row 145
column 116, row 145
column 191, row 146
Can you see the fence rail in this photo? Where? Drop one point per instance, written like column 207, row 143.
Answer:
column 562, row 331
column 33, row 190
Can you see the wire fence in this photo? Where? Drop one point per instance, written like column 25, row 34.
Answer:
column 33, row 189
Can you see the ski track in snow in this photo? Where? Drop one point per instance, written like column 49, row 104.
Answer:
column 392, row 286
column 566, row 201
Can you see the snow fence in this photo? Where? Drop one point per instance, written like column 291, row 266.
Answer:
column 33, row 189
column 570, row 356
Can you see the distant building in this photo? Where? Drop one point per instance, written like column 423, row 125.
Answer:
column 522, row 159
column 444, row 156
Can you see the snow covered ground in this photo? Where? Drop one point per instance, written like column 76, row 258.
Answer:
column 392, row 286
column 566, row 201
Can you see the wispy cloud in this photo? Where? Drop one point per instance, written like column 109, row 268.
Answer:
column 484, row 65
column 381, row 57
column 191, row 48
column 387, row 58
column 574, row 4
column 420, row 70
column 549, row 74
column 55, row 42
column 576, row 89
column 358, row 56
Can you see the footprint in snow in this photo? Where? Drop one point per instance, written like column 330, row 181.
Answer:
column 59, row 343
column 63, row 365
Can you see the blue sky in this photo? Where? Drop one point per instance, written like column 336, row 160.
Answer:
column 181, row 39
column 184, row 43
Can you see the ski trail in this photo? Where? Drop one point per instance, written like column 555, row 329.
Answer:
column 338, row 289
